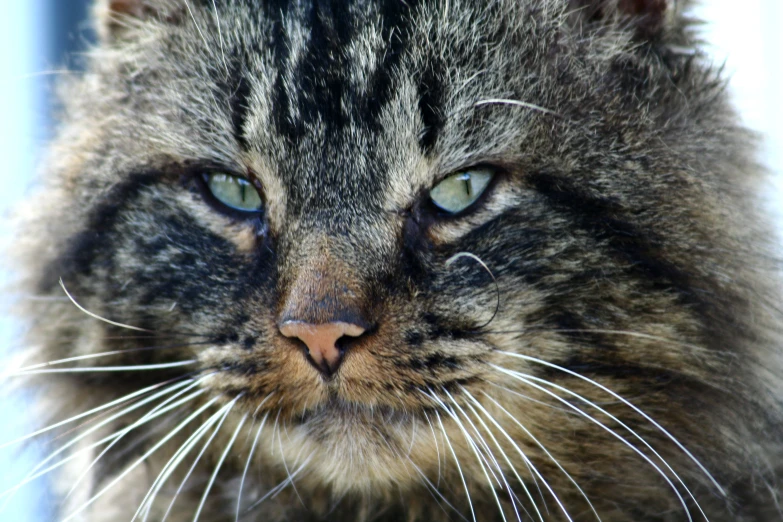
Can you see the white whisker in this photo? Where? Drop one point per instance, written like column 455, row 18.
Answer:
column 535, row 440
column 434, row 490
column 413, row 436
column 219, row 464
column 195, row 23
column 34, row 473
column 106, row 406
column 535, row 472
column 218, row 417
column 627, row 403
column 98, row 317
column 144, row 457
column 220, row 35
column 506, row 458
column 249, row 459
column 283, row 459
column 459, row 468
column 527, row 380
column 38, row 74
column 517, row 103
column 172, row 464
column 480, row 457
column 91, row 369
column 435, row 439
column 153, row 413
column 481, row 441
column 97, row 356
column 277, row 489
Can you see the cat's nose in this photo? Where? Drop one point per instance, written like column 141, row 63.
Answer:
column 322, row 341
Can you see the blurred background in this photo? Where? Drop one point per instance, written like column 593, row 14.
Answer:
column 40, row 40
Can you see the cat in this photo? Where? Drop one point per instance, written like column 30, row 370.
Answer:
column 403, row 261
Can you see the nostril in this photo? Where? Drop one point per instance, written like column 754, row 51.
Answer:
column 345, row 342
column 326, row 343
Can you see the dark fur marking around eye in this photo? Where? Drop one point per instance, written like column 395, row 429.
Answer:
column 84, row 248
column 170, row 243
column 204, row 252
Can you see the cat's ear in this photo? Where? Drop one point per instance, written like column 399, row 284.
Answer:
column 648, row 19
column 117, row 19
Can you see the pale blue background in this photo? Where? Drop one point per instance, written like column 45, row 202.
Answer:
column 747, row 34
column 34, row 36
column 22, row 125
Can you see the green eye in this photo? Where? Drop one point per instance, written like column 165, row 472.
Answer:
column 459, row 191
column 233, row 191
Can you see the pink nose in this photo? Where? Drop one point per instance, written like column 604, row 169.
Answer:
column 321, row 341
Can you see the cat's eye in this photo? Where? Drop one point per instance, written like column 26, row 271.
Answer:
column 459, row 191
column 235, row 192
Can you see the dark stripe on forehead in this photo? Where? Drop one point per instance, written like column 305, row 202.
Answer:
column 431, row 104
column 281, row 104
column 235, row 88
column 315, row 85
column 396, row 27
column 320, row 77
column 239, row 102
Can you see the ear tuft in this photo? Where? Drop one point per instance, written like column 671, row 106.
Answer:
column 134, row 8
column 116, row 18
column 650, row 19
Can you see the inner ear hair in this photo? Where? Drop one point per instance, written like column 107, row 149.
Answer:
column 117, row 18
column 651, row 19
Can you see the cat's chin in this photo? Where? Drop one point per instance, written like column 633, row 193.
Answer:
column 354, row 448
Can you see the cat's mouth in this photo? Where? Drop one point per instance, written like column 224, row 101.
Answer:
column 338, row 410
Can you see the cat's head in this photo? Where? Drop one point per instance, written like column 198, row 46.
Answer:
column 406, row 233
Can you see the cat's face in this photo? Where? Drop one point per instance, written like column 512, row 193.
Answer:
column 268, row 189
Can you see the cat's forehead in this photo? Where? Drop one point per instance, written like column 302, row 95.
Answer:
column 342, row 95
column 337, row 104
